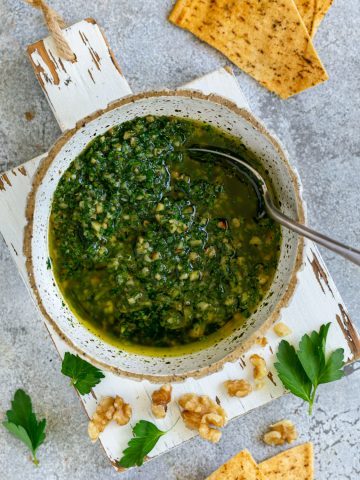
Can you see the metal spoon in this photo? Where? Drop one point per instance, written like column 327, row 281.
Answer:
column 349, row 253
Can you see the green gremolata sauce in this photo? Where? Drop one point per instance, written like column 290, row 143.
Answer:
column 152, row 248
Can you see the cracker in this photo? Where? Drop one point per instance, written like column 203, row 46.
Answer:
column 294, row 464
column 267, row 39
column 240, row 467
column 312, row 12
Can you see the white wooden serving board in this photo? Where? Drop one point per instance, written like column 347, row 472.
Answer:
column 75, row 90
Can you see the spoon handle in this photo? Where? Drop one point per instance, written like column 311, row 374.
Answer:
column 349, row 253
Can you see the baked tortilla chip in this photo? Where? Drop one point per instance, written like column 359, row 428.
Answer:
column 267, row 39
column 294, row 464
column 312, row 12
column 240, row 467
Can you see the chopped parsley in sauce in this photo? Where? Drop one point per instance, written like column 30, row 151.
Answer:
column 153, row 247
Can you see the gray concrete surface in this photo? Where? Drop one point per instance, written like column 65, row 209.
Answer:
column 321, row 131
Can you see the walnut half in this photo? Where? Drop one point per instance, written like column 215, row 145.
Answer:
column 109, row 408
column 203, row 414
column 160, row 399
column 238, row 388
column 281, row 432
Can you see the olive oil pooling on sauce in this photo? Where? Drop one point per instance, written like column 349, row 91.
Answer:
column 156, row 248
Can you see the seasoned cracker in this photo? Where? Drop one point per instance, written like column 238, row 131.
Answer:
column 294, row 464
column 312, row 12
column 240, row 467
column 267, row 39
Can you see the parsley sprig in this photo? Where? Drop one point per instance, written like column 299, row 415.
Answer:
column 146, row 436
column 83, row 375
column 22, row 423
column 302, row 371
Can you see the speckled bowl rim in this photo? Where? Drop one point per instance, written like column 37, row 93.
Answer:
column 282, row 303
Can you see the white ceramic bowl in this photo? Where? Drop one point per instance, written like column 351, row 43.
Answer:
column 187, row 104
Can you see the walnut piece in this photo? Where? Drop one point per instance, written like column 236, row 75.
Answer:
column 203, row 414
column 281, row 432
column 260, row 370
column 259, row 384
column 109, row 408
column 207, row 424
column 191, row 419
column 262, row 341
column 196, row 403
column 102, row 416
column 123, row 411
column 282, row 330
column 238, row 388
column 273, row 438
column 160, row 399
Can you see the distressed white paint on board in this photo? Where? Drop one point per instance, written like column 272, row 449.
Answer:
column 76, row 89
column 222, row 82
column 315, row 301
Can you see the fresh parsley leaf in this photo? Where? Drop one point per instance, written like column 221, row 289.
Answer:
column 291, row 372
column 311, row 353
column 333, row 368
column 303, row 371
column 83, row 375
column 310, row 357
column 322, row 336
column 22, row 423
column 146, row 436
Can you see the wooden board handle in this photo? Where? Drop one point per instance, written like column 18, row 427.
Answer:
column 75, row 89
